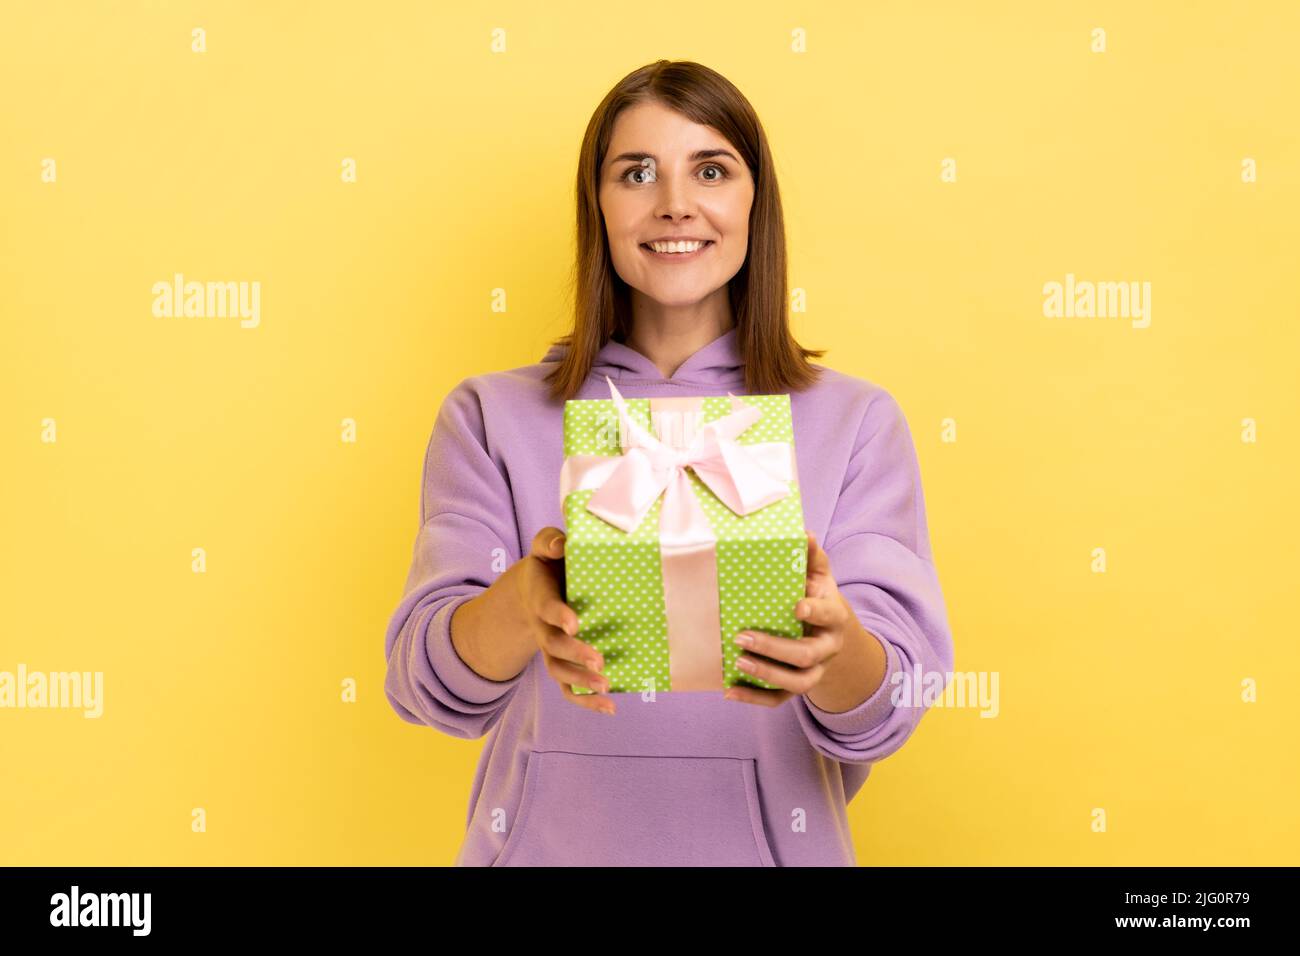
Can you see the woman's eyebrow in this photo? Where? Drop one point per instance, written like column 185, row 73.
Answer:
column 694, row 157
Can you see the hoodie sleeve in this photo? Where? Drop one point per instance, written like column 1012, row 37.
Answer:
column 467, row 535
column 879, row 549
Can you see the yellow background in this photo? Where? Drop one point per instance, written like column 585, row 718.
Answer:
column 1119, row 690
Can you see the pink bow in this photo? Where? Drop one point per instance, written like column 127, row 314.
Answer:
column 742, row 480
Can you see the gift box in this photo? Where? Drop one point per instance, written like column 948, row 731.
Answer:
column 684, row 526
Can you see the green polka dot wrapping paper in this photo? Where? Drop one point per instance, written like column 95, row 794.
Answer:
column 660, row 596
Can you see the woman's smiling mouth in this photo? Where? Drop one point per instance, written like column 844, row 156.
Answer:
column 676, row 251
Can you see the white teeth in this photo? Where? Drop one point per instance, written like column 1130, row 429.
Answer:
column 675, row 247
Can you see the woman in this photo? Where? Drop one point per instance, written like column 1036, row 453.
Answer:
column 483, row 641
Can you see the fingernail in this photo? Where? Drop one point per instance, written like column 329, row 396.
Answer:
column 800, row 609
column 745, row 664
column 745, row 640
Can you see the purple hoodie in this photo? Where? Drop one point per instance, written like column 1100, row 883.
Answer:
column 686, row 778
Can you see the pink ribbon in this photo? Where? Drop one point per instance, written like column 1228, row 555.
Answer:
column 744, row 477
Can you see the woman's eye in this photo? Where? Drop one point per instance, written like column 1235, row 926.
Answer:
column 650, row 174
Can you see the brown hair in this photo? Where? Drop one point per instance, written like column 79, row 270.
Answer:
column 774, row 361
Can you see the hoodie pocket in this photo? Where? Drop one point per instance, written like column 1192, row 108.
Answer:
column 604, row 810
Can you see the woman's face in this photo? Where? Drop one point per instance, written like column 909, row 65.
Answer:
column 694, row 186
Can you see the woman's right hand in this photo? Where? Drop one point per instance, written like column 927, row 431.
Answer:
column 553, row 624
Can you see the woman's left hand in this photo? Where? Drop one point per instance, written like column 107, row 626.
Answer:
column 796, row 666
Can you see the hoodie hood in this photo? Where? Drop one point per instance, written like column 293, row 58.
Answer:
column 717, row 362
